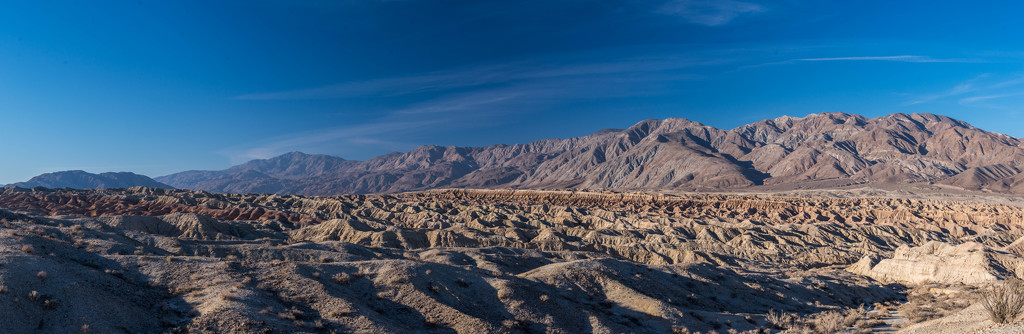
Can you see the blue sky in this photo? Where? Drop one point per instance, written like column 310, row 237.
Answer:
column 156, row 87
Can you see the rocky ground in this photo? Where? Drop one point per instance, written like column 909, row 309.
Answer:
column 146, row 260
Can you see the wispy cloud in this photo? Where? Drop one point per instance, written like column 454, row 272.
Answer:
column 981, row 98
column 330, row 139
column 480, row 76
column 471, row 97
column 965, row 87
column 981, row 88
column 901, row 58
column 710, row 12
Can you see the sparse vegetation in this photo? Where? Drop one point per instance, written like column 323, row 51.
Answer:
column 931, row 301
column 1004, row 302
column 779, row 320
column 342, row 278
column 29, row 249
column 42, row 275
column 828, row 322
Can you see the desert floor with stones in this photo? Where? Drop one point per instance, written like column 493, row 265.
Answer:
column 145, row 260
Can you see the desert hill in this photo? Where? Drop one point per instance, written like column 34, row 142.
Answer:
column 83, row 180
column 817, row 151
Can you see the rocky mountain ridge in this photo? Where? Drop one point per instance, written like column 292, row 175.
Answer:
column 817, row 151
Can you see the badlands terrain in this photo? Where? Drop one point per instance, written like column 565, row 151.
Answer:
column 150, row 260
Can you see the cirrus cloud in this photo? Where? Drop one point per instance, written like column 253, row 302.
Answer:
column 710, row 12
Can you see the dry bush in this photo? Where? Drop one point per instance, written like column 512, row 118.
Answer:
column 504, row 292
column 934, row 301
column 853, row 316
column 829, row 322
column 339, row 313
column 1005, row 302
column 342, row 278
column 28, row 249
column 779, row 320
column 680, row 330
column 42, row 275
column 917, row 312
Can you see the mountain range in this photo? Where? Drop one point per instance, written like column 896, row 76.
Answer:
column 83, row 180
column 816, row 151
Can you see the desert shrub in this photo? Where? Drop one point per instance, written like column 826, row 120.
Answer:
column 342, row 278
column 28, row 249
column 84, row 328
column 916, row 312
column 779, row 320
column 1004, row 302
column 680, row 330
column 829, row 322
column 42, row 275
column 504, row 291
column 339, row 313
column 933, row 301
column 853, row 316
